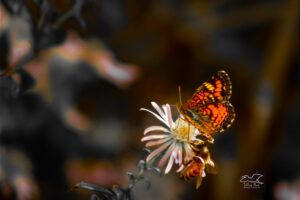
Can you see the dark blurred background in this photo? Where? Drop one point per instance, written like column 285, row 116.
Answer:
column 74, row 74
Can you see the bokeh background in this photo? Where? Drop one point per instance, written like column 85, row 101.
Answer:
column 74, row 75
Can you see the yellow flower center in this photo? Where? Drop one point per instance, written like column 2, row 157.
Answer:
column 184, row 131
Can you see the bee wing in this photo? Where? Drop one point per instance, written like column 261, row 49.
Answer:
column 199, row 178
column 212, row 169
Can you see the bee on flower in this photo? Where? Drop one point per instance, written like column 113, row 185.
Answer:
column 177, row 144
column 198, row 164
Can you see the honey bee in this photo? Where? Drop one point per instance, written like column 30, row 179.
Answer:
column 196, row 166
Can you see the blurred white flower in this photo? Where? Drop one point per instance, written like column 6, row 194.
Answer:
column 287, row 191
column 174, row 143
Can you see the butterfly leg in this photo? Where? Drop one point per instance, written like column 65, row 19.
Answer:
column 208, row 137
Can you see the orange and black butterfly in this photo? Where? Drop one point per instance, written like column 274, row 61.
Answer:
column 209, row 109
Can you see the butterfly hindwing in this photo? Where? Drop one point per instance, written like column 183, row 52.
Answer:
column 215, row 117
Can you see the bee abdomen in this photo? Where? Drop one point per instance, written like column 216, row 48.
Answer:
column 191, row 172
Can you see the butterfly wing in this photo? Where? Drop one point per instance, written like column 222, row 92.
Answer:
column 209, row 109
column 217, row 89
column 215, row 118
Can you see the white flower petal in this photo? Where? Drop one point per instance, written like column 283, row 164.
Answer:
column 153, row 137
column 203, row 173
column 156, row 151
column 165, row 111
column 156, row 115
column 175, row 157
column 180, row 168
column 155, row 128
column 155, row 143
column 169, row 115
column 158, row 109
column 171, row 161
column 179, row 155
column 166, row 156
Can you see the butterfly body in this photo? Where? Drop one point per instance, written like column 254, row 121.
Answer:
column 209, row 109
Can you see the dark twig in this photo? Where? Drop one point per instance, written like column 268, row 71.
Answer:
column 76, row 12
column 119, row 193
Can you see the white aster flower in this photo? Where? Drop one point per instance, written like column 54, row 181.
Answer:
column 173, row 144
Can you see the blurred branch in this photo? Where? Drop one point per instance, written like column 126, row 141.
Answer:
column 119, row 193
column 75, row 12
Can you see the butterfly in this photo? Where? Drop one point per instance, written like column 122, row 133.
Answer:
column 209, row 109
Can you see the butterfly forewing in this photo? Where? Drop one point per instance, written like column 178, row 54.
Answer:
column 217, row 89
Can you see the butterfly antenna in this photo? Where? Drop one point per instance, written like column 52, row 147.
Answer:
column 189, row 132
column 179, row 94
